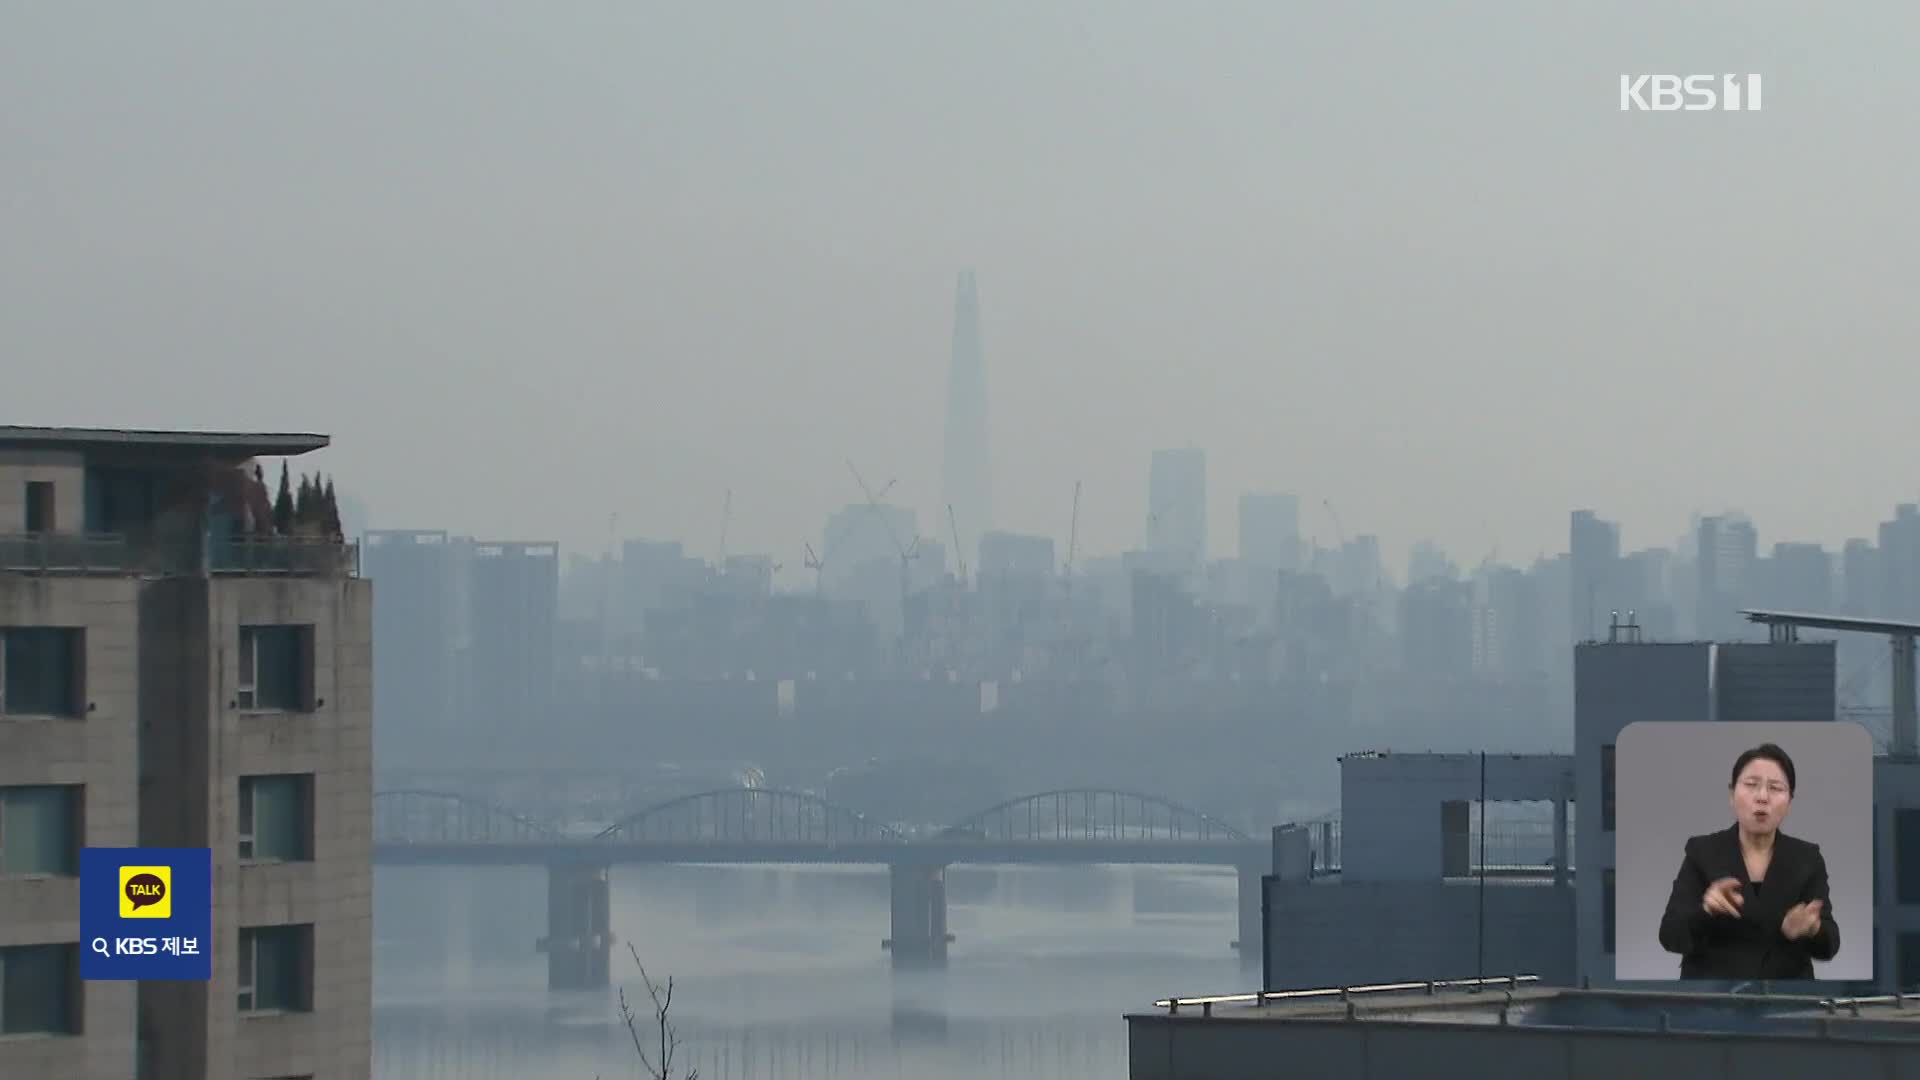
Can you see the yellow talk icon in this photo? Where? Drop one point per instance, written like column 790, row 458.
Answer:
column 146, row 892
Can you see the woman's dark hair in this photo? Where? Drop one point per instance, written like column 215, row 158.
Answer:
column 1771, row 753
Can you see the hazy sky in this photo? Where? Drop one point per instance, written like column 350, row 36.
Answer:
column 535, row 265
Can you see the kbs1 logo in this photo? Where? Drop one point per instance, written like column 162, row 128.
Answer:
column 1689, row 93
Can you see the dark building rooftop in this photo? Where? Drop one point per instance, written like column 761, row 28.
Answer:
column 1814, row 621
column 226, row 445
column 1520, row 1002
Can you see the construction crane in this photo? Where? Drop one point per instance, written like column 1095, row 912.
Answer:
column 959, row 554
column 1073, row 540
column 1070, row 641
column 908, row 552
column 814, row 564
column 1339, row 531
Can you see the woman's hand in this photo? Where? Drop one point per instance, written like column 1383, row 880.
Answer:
column 1802, row 921
column 1723, row 898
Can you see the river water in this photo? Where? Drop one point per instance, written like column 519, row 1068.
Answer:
column 779, row 973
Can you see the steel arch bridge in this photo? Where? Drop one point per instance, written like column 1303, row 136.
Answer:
column 750, row 816
column 439, row 817
column 1092, row 815
column 767, row 825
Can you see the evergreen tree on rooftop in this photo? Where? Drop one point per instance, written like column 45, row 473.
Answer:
column 331, row 507
column 283, row 504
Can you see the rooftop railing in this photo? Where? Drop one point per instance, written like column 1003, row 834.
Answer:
column 290, row 555
column 65, row 553
column 115, row 553
column 1261, row 998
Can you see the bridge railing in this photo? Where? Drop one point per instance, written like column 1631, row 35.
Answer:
column 1262, row 998
column 433, row 817
column 748, row 816
column 773, row 816
column 1093, row 815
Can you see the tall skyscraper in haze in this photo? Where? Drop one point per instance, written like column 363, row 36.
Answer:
column 1177, row 506
column 967, row 471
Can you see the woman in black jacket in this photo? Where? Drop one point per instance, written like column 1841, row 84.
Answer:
column 1750, row 902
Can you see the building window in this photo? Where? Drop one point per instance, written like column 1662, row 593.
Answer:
column 1606, row 913
column 276, row 669
column 275, row 968
column 276, row 818
column 40, row 990
column 1906, row 963
column 1606, row 788
column 40, row 830
column 41, row 671
column 39, row 506
column 1906, row 856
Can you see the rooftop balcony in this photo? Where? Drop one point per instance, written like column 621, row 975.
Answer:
column 113, row 554
column 164, row 503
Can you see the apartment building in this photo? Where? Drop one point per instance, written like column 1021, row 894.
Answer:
column 175, row 671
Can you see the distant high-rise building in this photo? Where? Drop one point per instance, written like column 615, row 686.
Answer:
column 1900, row 564
column 1860, row 590
column 1508, row 624
column 1166, row 623
column 1646, row 592
column 1799, row 578
column 967, row 469
column 1177, row 505
column 1727, row 554
column 515, row 600
column 1863, row 657
column 413, row 660
column 1594, row 547
column 1428, row 562
column 1357, row 567
column 653, row 575
column 1270, row 531
column 1436, row 628
column 1012, row 555
column 861, row 533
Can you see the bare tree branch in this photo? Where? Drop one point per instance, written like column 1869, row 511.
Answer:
column 660, row 1067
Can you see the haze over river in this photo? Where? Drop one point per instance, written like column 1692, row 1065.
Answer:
column 779, row 972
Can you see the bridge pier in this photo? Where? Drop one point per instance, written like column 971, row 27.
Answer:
column 579, row 941
column 920, row 937
column 1252, row 939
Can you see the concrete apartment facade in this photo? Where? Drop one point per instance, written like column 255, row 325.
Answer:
column 171, row 683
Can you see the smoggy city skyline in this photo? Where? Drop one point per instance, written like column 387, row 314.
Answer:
column 622, row 264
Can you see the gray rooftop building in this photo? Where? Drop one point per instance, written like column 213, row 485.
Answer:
column 1511, row 1027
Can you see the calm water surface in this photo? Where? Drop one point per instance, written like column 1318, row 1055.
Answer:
column 779, row 972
